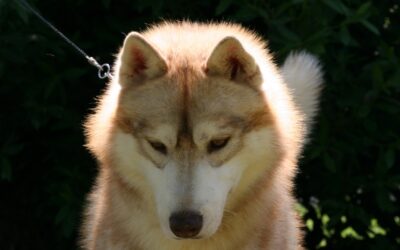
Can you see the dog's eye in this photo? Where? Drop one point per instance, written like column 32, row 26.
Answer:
column 158, row 146
column 217, row 144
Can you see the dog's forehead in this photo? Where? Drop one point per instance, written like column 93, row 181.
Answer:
column 221, row 100
column 186, row 100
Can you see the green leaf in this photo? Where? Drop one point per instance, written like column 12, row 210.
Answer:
column 350, row 232
column 389, row 158
column 222, row 6
column 377, row 76
column 345, row 37
column 288, row 34
column 338, row 6
column 370, row 27
column 376, row 228
column 310, row 224
column 363, row 9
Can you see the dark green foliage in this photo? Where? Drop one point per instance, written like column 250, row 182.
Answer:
column 349, row 182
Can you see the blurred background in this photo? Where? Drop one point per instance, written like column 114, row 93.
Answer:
column 348, row 185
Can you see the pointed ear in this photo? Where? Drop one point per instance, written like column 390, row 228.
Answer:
column 139, row 60
column 230, row 60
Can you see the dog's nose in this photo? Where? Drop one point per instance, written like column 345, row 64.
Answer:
column 186, row 224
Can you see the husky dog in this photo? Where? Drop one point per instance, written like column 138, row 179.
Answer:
column 197, row 137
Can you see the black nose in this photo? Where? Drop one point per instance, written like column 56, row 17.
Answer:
column 186, row 224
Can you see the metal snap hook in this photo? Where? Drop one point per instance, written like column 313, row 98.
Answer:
column 104, row 71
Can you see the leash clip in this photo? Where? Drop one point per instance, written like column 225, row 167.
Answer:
column 104, row 69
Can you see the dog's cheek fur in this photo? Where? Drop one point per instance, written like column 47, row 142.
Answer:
column 258, row 157
column 131, row 164
column 220, row 190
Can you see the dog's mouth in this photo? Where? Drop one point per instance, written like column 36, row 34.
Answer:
column 190, row 238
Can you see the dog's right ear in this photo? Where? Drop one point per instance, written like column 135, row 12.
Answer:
column 139, row 60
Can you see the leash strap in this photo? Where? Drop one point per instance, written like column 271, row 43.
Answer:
column 103, row 69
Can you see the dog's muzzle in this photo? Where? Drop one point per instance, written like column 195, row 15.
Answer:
column 186, row 224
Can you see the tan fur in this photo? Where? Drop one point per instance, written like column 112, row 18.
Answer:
column 191, row 79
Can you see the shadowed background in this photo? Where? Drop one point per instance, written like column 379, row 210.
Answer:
column 349, row 181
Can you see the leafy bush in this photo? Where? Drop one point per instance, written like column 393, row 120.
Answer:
column 349, row 182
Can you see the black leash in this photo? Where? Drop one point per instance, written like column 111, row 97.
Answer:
column 103, row 69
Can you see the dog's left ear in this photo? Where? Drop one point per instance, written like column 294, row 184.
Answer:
column 230, row 60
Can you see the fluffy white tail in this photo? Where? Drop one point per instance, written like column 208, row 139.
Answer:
column 302, row 74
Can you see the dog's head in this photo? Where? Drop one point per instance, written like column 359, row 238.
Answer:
column 191, row 137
